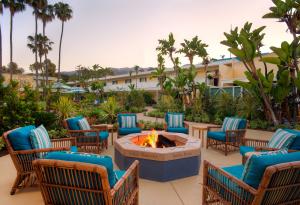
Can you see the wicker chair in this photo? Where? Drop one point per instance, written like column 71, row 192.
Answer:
column 229, row 140
column 23, row 160
column 280, row 185
column 88, row 143
column 83, row 184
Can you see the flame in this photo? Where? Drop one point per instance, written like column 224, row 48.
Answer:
column 150, row 140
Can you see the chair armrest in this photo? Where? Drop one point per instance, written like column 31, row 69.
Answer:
column 99, row 127
column 126, row 189
column 35, row 151
column 210, row 128
column 165, row 126
column 186, row 125
column 255, row 142
column 223, row 184
column 139, row 125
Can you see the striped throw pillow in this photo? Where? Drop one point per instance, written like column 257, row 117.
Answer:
column 128, row 121
column 84, row 124
column 175, row 120
column 230, row 124
column 249, row 163
column 40, row 139
column 281, row 139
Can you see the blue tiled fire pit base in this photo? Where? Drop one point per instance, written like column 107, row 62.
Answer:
column 161, row 171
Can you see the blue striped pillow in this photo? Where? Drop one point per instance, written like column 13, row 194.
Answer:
column 231, row 124
column 281, row 139
column 40, row 139
column 128, row 122
column 84, row 124
column 175, row 120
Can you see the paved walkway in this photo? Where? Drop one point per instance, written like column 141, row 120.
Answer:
column 186, row 191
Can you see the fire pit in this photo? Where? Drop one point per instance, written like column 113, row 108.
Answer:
column 163, row 156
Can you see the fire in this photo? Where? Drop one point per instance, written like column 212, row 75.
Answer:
column 150, row 140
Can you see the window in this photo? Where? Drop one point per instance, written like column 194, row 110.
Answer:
column 143, row 79
column 127, row 81
column 114, row 82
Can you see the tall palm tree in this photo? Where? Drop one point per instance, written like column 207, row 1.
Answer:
column 37, row 5
column 46, row 15
column 64, row 13
column 159, row 72
column 40, row 45
column 14, row 7
column 136, row 70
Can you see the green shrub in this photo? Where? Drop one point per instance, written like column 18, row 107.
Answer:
column 136, row 110
column 225, row 105
column 155, row 113
column 259, row 124
column 2, row 144
column 135, row 99
column 48, row 119
column 58, row 133
column 148, row 125
column 166, row 103
column 110, row 109
column 148, row 98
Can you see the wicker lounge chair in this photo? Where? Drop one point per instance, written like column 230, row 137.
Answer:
column 22, row 159
column 93, row 140
column 173, row 125
column 226, row 140
column 256, row 145
column 280, row 184
column 93, row 188
column 128, row 124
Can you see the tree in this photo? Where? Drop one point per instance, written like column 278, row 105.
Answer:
column 63, row 13
column 46, row 15
column 37, row 5
column 166, row 47
column 191, row 49
column 51, row 67
column 98, row 87
column 41, row 45
column 159, row 72
column 245, row 45
column 14, row 7
column 136, row 70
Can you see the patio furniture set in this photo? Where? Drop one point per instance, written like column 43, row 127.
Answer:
column 69, row 172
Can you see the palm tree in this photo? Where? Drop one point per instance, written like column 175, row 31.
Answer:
column 159, row 72
column 14, row 7
column 64, row 13
column 46, row 15
column 1, row 12
column 37, row 5
column 40, row 45
column 136, row 70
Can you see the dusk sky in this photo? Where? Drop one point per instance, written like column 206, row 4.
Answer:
column 124, row 33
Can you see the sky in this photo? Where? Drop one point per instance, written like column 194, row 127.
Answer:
column 124, row 33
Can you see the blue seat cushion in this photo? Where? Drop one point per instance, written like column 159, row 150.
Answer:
column 119, row 174
column 105, row 161
column 296, row 143
column 259, row 164
column 127, row 131
column 246, row 149
column 220, row 136
column 73, row 122
column 178, row 130
column 20, row 138
column 235, row 171
column 102, row 135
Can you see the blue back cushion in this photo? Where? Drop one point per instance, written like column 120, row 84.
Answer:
column 296, row 143
column 243, row 124
column 73, row 122
column 260, row 163
column 20, row 138
column 104, row 161
column 172, row 113
column 125, row 114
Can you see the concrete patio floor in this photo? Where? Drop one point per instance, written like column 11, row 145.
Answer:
column 187, row 191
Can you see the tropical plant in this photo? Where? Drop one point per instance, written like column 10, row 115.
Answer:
column 98, row 87
column 64, row 13
column 14, row 6
column 135, row 98
column 64, row 108
column 111, row 108
column 159, row 72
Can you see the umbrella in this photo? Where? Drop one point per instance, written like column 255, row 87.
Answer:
column 59, row 85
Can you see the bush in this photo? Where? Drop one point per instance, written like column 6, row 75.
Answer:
column 155, row 113
column 259, row 124
column 136, row 110
column 58, row 133
column 225, row 105
column 135, row 99
column 148, row 125
column 167, row 103
column 148, row 98
column 48, row 119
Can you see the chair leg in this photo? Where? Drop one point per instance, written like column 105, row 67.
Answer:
column 16, row 184
column 226, row 149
